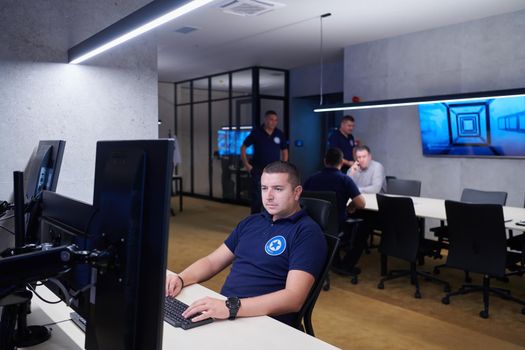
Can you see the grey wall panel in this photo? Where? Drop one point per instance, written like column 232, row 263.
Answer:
column 113, row 96
column 487, row 54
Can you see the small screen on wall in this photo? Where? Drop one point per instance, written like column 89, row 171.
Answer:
column 229, row 141
column 492, row 127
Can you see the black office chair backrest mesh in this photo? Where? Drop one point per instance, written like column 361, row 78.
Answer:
column 333, row 219
column 400, row 231
column 477, row 237
column 404, row 187
column 319, row 211
column 470, row 195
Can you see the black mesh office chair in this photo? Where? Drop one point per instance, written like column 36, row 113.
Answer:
column 402, row 187
column 478, row 244
column 351, row 228
column 401, row 238
column 468, row 196
column 319, row 211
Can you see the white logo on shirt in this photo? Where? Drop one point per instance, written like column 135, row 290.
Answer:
column 277, row 140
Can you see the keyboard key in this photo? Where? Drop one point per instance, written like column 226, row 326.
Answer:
column 173, row 310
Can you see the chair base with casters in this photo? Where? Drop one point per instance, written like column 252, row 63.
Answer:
column 413, row 273
column 486, row 289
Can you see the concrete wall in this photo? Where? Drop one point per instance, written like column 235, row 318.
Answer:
column 487, row 54
column 306, row 125
column 113, row 96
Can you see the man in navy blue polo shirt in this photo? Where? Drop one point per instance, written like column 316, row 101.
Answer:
column 344, row 140
column 332, row 179
column 275, row 255
column 269, row 145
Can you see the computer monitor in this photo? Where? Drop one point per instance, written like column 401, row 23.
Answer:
column 126, row 231
column 41, row 173
column 132, row 201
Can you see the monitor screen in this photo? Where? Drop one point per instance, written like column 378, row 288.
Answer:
column 493, row 127
column 229, row 140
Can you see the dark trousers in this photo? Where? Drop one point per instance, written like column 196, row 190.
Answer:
column 256, row 201
column 354, row 242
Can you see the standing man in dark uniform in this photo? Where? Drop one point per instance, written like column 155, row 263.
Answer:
column 344, row 140
column 269, row 145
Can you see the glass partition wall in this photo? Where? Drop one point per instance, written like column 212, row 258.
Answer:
column 213, row 115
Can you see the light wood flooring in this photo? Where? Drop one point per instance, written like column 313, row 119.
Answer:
column 362, row 316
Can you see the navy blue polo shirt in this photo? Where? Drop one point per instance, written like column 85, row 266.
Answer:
column 331, row 179
column 266, row 148
column 265, row 251
column 345, row 144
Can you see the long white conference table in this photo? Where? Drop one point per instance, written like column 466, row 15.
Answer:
column 254, row 333
column 435, row 209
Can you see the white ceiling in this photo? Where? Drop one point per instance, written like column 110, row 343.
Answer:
column 289, row 37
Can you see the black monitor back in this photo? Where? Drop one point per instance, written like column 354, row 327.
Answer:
column 131, row 199
column 65, row 221
column 40, row 173
column 43, row 168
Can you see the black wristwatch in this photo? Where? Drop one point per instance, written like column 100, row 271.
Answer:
column 233, row 304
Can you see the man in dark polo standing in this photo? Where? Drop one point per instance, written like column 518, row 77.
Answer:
column 269, row 145
column 344, row 140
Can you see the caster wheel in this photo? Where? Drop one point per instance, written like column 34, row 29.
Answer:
column 354, row 280
column 326, row 287
column 417, row 295
column 446, row 289
column 445, row 300
column 484, row 314
column 381, row 286
column 436, row 271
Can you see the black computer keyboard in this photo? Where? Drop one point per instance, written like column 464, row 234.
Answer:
column 173, row 310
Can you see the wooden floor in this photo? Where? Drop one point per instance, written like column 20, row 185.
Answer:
column 362, row 316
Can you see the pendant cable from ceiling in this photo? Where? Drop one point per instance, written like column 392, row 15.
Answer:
column 321, row 58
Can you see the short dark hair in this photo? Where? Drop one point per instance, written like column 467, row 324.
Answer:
column 333, row 157
column 270, row 112
column 281, row 167
column 362, row 148
column 347, row 118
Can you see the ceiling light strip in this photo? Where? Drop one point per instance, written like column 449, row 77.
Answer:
column 144, row 19
column 423, row 100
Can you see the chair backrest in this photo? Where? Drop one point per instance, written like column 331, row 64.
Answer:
column 483, row 197
column 400, row 232
column 404, row 187
column 477, row 237
column 330, row 196
column 308, row 307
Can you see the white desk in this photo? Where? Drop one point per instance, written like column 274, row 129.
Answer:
column 435, row 209
column 254, row 333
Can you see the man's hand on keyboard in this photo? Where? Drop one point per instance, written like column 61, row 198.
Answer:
column 173, row 284
column 208, row 307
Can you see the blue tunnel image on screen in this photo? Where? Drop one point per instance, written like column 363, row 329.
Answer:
column 484, row 127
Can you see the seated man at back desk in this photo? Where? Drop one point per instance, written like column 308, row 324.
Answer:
column 331, row 179
column 367, row 174
column 275, row 255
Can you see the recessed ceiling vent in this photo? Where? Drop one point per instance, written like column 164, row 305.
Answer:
column 249, row 7
column 185, row 30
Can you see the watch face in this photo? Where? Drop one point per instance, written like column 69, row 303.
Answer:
column 233, row 303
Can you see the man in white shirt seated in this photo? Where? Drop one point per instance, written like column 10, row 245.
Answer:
column 368, row 175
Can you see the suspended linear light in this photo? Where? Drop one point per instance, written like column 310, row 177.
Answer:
column 423, row 100
column 144, row 19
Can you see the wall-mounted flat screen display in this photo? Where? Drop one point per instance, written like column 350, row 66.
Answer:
column 229, row 140
column 493, row 127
